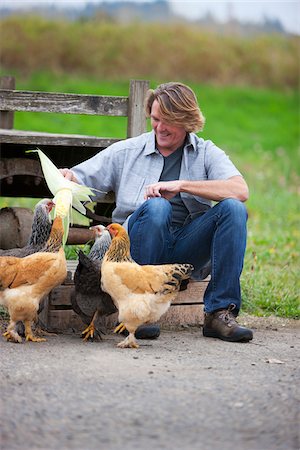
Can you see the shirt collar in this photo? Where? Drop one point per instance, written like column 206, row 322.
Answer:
column 191, row 143
column 150, row 144
column 150, row 148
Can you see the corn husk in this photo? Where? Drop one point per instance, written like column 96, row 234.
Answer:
column 66, row 193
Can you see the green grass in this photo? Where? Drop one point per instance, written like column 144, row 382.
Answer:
column 111, row 51
column 258, row 128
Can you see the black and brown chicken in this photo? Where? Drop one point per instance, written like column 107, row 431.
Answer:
column 40, row 231
column 88, row 299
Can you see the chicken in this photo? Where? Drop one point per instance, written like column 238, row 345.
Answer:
column 40, row 231
column 88, row 300
column 141, row 293
column 25, row 281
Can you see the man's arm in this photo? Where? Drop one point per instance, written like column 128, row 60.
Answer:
column 216, row 190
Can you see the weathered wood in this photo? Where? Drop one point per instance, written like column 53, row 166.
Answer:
column 60, row 321
column 55, row 102
column 176, row 316
column 7, row 117
column 136, row 116
column 43, row 317
column 61, row 296
column 36, row 138
column 9, row 167
column 79, row 236
column 182, row 315
column 193, row 294
column 187, row 309
column 28, row 170
column 15, row 227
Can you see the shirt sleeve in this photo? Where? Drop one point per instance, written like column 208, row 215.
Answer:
column 98, row 172
column 218, row 165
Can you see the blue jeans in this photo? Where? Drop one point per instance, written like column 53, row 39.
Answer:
column 218, row 235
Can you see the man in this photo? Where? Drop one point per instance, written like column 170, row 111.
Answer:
column 165, row 182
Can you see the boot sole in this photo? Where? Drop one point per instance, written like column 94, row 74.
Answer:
column 213, row 334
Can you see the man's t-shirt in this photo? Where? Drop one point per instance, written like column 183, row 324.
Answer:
column 171, row 171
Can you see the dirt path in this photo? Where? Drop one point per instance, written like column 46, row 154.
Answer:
column 181, row 391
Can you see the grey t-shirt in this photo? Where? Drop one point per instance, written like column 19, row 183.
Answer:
column 171, row 171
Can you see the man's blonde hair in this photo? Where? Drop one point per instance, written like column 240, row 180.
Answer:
column 178, row 105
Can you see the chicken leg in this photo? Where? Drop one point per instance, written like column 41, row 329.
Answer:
column 89, row 332
column 29, row 335
column 120, row 328
column 130, row 341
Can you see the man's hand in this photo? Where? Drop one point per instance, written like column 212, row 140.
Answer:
column 166, row 189
column 68, row 174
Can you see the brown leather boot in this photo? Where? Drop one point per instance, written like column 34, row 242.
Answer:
column 222, row 324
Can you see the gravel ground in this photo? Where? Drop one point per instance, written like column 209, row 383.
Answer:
column 181, row 391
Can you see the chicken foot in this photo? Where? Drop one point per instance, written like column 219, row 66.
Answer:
column 11, row 335
column 29, row 335
column 129, row 342
column 89, row 332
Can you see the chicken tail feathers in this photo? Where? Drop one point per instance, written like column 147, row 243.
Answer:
column 183, row 271
column 180, row 272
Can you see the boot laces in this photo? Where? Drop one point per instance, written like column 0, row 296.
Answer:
column 227, row 316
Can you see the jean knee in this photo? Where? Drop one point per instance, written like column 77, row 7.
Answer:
column 158, row 210
column 235, row 208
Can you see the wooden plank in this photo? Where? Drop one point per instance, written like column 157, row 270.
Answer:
column 61, row 296
column 39, row 138
column 7, row 117
column 9, row 167
column 64, row 320
column 43, row 317
column 56, row 102
column 193, row 294
column 177, row 315
column 182, row 315
column 136, row 116
column 72, row 265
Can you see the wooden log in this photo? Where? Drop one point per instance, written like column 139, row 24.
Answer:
column 79, row 236
column 15, row 227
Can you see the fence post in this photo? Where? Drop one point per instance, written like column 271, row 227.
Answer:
column 136, row 116
column 7, row 117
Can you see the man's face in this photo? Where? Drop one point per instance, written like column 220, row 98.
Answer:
column 168, row 137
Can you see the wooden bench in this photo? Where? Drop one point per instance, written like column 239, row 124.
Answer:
column 21, row 176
